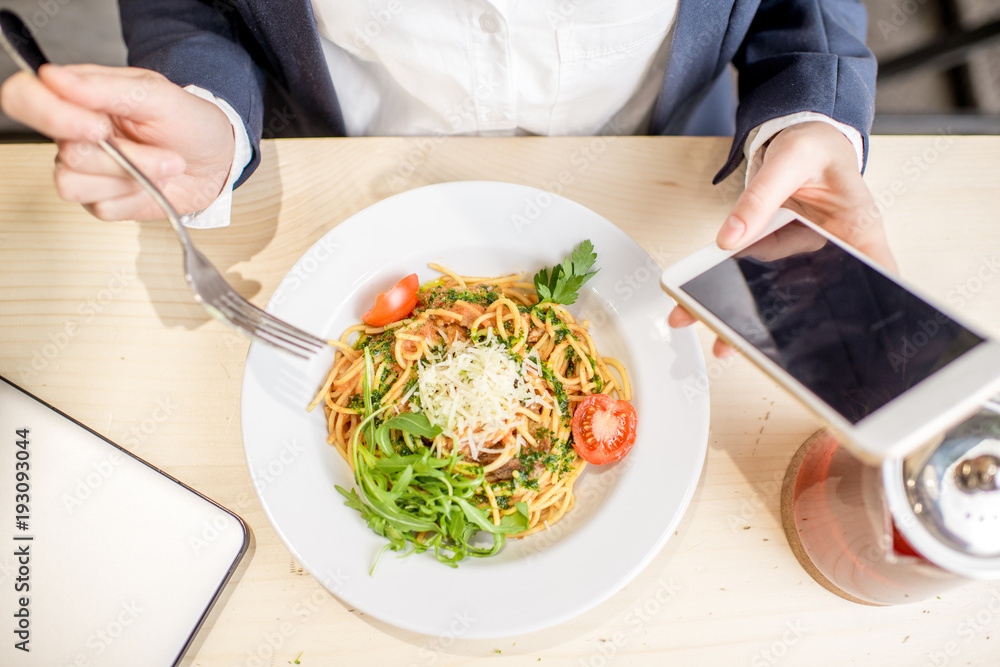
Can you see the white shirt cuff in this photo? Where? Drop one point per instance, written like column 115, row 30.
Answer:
column 761, row 134
column 217, row 214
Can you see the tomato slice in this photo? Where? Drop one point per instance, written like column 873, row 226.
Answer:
column 395, row 304
column 603, row 429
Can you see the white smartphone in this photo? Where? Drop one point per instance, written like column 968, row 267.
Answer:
column 883, row 365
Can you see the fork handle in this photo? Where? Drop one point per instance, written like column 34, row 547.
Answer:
column 176, row 220
column 19, row 43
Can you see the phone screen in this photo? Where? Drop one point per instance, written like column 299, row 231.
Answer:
column 852, row 336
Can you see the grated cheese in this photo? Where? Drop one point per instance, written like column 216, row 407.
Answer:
column 474, row 391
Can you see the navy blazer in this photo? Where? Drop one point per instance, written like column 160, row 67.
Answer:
column 264, row 58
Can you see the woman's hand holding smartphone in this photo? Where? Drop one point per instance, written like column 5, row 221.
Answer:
column 878, row 362
column 811, row 168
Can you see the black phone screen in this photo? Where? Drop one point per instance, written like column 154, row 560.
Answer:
column 852, row 336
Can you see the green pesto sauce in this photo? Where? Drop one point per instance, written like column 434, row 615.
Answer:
column 557, row 388
column 562, row 331
column 561, row 328
column 503, row 491
column 526, row 482
column 442, row 297
column 596, row 377
column 558, row 460
column 381, row 345
column 415, row 397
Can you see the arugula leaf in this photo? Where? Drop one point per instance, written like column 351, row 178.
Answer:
column 561, row 283
column 516, row 522
column 414, row 424
column 476, row 516
column 408, row 423
column 415, row 500
column 366, row 388
column 511, row 524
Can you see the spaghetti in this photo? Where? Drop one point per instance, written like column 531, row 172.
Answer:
column 498, row 372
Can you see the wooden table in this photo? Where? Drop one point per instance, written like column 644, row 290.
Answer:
column 96, row 318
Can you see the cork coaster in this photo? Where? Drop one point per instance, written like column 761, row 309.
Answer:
column 792, row 533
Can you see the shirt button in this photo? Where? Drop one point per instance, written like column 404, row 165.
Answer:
column 488, row 22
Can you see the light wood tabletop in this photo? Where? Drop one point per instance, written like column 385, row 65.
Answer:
column 96, row 318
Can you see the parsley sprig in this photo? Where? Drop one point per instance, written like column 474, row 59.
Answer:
column 561, row 283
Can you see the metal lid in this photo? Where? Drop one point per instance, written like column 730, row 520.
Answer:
column 953, row 496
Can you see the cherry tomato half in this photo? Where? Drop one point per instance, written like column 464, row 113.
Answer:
column 603, row 429
column 395, row 304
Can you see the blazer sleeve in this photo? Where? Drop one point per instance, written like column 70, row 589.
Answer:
column 192, row 42
column 804, row 55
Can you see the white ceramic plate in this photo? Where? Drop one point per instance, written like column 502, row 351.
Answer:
column 624, row 512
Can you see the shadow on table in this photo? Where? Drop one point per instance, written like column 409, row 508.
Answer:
column 160, row 264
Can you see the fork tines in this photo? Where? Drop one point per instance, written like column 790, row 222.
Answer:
column 268, row 328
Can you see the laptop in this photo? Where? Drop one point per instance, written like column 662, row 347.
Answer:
column 104, row 560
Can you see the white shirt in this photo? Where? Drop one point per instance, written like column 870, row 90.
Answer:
column 493, row 68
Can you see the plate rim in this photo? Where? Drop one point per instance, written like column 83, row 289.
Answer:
column 700, row 423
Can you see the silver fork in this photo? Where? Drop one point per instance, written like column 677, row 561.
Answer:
column 209, row 287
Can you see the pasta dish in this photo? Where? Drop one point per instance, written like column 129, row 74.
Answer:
column 469, row 402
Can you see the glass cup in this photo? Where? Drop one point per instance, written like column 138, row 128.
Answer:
column 902, row 531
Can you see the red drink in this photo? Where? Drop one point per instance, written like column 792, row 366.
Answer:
column 843, row 533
